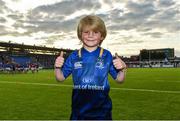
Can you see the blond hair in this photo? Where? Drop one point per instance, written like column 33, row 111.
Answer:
column 95, row 23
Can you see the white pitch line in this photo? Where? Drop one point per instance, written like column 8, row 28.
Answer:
column 112, row 88
column 146, row 90
column 41, row 84
column 168, row 81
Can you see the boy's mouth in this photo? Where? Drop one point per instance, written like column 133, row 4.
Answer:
column 90, row 40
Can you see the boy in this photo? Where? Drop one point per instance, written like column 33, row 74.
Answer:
column 89, row 67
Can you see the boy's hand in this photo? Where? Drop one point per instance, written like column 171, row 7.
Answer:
column 118, row 63
column 59, row 60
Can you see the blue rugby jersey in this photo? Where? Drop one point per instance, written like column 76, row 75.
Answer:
column 90, row 99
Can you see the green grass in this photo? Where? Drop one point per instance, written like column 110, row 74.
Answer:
column 19, row 101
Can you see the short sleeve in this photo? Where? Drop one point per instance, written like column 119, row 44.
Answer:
column 67, row 67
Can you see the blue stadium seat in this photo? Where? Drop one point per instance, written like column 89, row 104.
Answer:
column 22, row 60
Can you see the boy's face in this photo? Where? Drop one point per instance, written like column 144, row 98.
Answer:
column 91, row 38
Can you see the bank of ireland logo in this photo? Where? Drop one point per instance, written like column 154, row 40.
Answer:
column 100, row 63
column 87, row 80
column 78, row 65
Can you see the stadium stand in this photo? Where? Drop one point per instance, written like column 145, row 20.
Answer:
column 21, row 58
column 154, row 58
column 21, row 63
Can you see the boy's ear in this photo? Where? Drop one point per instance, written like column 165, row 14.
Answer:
column 102, row 38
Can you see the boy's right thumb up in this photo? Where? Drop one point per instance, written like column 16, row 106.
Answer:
column 59, row 60
column 61, row 54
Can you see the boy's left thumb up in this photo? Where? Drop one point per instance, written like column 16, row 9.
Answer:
column 116, row 55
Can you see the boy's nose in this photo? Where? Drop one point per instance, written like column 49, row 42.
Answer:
column 91, row 34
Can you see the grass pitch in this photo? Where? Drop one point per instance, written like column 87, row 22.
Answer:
column 147, row 94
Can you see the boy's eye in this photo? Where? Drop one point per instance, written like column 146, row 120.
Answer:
column 87, row 32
